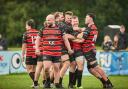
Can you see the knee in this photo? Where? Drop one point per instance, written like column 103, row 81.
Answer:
column 46, row 69
column 30, row 68
column 91, row 66
column 66, row 63
column 81, row 67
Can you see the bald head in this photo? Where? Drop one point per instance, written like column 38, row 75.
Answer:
column 50, row 19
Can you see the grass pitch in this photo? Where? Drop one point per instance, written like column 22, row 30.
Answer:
column 22, row 81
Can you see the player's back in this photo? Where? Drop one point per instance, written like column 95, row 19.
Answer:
column 30, row 37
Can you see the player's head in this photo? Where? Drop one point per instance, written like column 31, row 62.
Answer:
column 59, row 16
column 116, row 38
column 89, row 18
column 68, row 16
column 107, row 38
column 50, row 19
column 45, row 24
column 122, row 29
column 75, row 21
column 30, row 24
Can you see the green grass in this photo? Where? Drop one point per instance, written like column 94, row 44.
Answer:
column 14, row 48
column 22, row 81
column 19, row 48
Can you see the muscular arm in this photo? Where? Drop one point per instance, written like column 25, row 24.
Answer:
column 66, row 39
column 78, row 40
column 37, row 45
column 24, row 46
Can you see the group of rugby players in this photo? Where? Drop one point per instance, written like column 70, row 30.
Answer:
column 59, row 45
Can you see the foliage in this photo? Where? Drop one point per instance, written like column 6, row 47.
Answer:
column 14, row 13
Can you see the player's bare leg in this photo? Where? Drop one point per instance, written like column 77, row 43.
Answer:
column 31, row 71
column 47, row 66
column 80, row 66
column 97, row 71
column 52, row 74
column 72, row 73
column 56, row 74
column 43, row 76
column 65, row 66
column 37, row 73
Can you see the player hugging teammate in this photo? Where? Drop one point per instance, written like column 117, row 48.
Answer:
column 60, row 45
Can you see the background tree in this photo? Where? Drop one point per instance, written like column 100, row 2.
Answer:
column 14, row 13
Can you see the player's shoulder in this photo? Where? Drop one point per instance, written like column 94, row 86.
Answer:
column 34, row 30
column 61, row 24
column 93, row 26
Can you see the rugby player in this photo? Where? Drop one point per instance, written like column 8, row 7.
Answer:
column 28, row 48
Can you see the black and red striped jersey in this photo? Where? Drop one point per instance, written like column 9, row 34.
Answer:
column 89, row 42
column 29, row 38
column 52, row 41
column 65, row 27
column 76, row 46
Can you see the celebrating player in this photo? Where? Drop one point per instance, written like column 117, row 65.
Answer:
column 28, row 48
column 89, row 51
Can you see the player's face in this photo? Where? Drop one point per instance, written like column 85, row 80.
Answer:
column 75, row 22
column 50, row 19
column 115, row 38
column 61, row 17
column 27, row 27
column 68, row 18
column 122, row 29
column 88, row 19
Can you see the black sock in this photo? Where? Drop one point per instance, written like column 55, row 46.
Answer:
column 32, row 75
column 71, row 77
column 48, row 80
column 35, row 83
column 109, row 82
column 79, row 76
column 60, row 80
column 57, row 85
column 52, row 80
column 75, row 77
column 43, row 81
column 102, row 80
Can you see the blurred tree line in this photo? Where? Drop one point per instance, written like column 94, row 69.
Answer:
column 14, row 13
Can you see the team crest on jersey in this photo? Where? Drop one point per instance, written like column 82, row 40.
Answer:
column 51, row 42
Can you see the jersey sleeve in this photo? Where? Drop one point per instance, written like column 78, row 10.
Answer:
column 40, row 32
column 86, row 32
column 62, row 27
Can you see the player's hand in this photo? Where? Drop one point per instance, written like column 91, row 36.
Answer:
column 70, row 52
column 23, row 58
column 37, row 52
column 80, row 35
column 82, row 29
column 79, row 40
